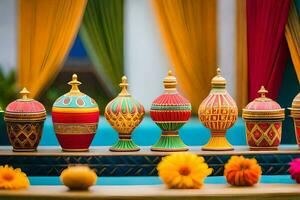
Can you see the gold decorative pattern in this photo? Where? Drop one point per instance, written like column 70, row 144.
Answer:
column 124, row 123
column 218, row 117
column 24, row 135
column 263, row 134
column 87, row 128
column 25, row 117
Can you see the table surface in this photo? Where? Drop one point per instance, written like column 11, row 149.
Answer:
column 145, row 151
column 209, row 191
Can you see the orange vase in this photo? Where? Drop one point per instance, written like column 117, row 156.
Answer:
column 218, row 112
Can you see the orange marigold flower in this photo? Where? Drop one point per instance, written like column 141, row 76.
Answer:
column 240, row 171
column 183, row 171
column 11, row 178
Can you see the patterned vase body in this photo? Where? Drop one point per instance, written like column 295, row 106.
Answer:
column 295, row 114
column 124, row 114
column 218, row 112
column 24, row 121
column 75, row 118
column 263, row 118
column 170, row 111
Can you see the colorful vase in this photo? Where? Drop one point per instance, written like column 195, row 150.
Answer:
column 170, row 111
column 263, row 118
column 75, row 118
column 218, row 112
column 24, row 121
column 295, row 114
column 124, row 114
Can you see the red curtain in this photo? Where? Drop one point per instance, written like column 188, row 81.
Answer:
column 267, row 47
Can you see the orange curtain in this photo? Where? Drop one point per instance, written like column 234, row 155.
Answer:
column 189, row 31
column 292, row 34
column 47, row 29
column 241, row 55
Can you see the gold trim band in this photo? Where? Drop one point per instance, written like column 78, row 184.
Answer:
column 75, row 110
column 87, row 128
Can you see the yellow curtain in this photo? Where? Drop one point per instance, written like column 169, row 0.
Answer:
column 47, row 29
column 292, row 34
column 189, row 31
column 241, row 55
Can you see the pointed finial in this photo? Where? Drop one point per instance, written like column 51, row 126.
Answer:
column 74, row 83
column 170, row 82
column 262, row 91
column 124, row 86
column 24, row 92
column 218, row 71
column 218, row 81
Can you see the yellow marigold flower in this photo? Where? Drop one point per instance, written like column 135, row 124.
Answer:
column 11, row 178
column 240, row 171
column 183, row 171
column 78, row 177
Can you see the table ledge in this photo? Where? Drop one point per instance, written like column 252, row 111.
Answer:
column 209, row 191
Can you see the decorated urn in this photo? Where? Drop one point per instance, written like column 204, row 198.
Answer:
column 24, row 119
column 295, row 114
column 75, row 118
column 170, row 111
column 218, row 112
column 263, row 118
column 124, row 114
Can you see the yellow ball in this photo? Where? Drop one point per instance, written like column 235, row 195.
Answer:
column 78, row 177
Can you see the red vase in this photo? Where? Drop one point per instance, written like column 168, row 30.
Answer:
column 24, row 121
column 263, row 118
column 75, row 118
column 170, row 111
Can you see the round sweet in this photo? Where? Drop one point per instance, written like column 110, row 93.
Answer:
column 240, row 171
column 78, row 177
column 294, row 169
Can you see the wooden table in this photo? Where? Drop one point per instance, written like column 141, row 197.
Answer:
column 208, row 192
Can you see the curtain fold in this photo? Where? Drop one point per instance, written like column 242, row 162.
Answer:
column 102, row 35
column 189, row 32
column 47, row 30
column 241, row 55
column 267, row 47
column 292, row 34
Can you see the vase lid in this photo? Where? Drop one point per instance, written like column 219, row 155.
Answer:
column 218, row 81
column 124, row 86
column 124, row 103
column 170, row 82
column 25, row 104
column 171, row 97
column 263, row 107
column 75, row 98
